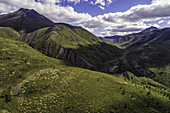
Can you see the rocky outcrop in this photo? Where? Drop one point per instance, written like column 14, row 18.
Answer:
column 69, row 55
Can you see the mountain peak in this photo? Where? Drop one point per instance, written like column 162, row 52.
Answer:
column 25, row 10
column 28, row 20
column 28, row 11
column 152, row 28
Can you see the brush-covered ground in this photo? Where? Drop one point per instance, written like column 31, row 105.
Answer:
column 31, row 82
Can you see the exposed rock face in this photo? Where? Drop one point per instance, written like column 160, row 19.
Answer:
column 69, row 55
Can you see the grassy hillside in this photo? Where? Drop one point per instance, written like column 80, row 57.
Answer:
column 33, row 82
column 147, row 57
column 9, row 33
column 162, row 74
column 50, row 40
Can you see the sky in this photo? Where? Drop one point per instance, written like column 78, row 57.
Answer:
column 101, row 17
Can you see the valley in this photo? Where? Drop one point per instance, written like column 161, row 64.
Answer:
column 57, row 67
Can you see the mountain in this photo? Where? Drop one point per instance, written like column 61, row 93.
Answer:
column 24, row 20
column 127, row 40
column 112, row 37
column 62, row 41
column 148, row 56
column 152, row 28
column 73, row 44
column 32, row 82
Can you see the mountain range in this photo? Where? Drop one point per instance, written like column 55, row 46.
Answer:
column 147, row 54
column 56, row 67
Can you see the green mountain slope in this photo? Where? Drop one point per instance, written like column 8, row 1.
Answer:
column 73, row 44
column 9, row 33
column 33, row 82
column 146, row 55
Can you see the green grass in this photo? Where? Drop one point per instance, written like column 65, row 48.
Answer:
column 151, row 82
column 32, row 83
column 49, row 41
column 162, row 75
column 9, row 33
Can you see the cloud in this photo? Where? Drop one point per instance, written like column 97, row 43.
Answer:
column 153, row 11
column 93, row 23
column 155, row 25
column 74, row 1
column 110, row 1
column 132, row 20
column 161, row 21
column 102, row 2
column 123, row 29
column 55, row 12
column 101, row 7
column 168, row 23
column 49, row 1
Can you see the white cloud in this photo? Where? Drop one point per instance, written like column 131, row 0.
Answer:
column 56, row 13
column 161, row 21
column 102, row 2
column 109, row 1
column 91, row 2
column 123, row 29
column 101, row 7
column 156, row 25
column 168, row 22
column 49, row 1
column 153, row 11
column 132, row 20
column 75, row 1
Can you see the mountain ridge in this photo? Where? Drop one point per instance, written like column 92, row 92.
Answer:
column 25, row 20
column 123, row 41
column 75, row 40
column 33, row 80
column 147, row 54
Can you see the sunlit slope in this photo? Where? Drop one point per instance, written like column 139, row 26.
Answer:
column 9, row 33
column 33, row 82
column 72, row 43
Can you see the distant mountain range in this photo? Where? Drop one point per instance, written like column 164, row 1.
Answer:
column 146, row 52
column 42, row 68
column 124, row 41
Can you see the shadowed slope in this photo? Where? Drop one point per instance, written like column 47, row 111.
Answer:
column 72, row 44
column 151, row 51
column 24, row 20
